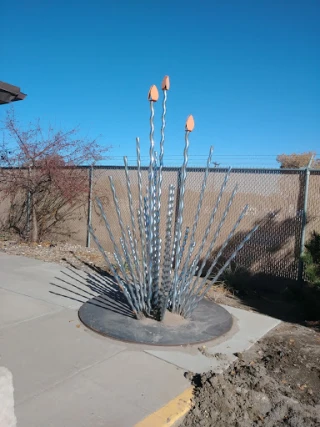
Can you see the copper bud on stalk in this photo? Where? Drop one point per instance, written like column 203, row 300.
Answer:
column 153, row 94
column 165, row 85
column 190, row 124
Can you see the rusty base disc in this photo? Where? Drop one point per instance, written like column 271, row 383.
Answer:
column 208, row 321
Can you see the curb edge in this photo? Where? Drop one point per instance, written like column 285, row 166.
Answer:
column 170, row 413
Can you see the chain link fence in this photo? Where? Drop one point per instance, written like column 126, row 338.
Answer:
column 273, row 250
column 313, row 206
column 275, row 247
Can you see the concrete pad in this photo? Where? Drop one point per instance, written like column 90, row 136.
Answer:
column 44, row 281
column 139, row 378
column 44, row 351
column 7, row 415
column 16, row 308
column 249, row 327
column 79, row 402
column 192, row 361
column 66, row 375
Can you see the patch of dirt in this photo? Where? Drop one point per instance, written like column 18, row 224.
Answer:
column 276, row 383
column 217, row 356
column 61, row 253
column 170, row 320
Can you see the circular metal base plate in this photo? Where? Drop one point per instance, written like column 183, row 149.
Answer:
column 208, row 321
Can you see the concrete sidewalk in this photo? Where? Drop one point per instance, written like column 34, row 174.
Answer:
column 66, row 375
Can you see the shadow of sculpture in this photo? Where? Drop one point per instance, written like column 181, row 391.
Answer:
column 253, row 279
column 83, row 286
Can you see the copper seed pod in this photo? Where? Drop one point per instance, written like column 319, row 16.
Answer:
column 189, row 124
column 153, row 94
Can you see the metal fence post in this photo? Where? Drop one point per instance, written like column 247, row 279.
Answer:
column 304, row 219
column 89, row 206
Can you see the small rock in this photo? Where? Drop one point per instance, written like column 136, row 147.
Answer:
column 238, row 355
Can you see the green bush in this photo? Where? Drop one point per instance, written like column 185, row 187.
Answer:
column 311, row 259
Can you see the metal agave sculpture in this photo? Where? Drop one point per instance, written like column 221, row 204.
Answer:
column 155, row 274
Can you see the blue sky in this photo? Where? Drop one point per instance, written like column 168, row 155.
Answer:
column 247, row 70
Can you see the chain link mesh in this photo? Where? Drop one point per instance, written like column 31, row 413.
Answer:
column 274, row 248
column 313, row 212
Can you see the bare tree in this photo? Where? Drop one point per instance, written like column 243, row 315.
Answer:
column 43, row 170
column 298, row 161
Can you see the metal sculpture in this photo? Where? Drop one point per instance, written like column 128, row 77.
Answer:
column 157, row 275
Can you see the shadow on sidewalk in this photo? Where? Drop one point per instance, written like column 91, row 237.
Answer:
column 82, row 286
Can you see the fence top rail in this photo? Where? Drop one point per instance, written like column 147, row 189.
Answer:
column 189, row 169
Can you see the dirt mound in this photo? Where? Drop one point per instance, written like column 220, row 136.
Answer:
column 275, row 384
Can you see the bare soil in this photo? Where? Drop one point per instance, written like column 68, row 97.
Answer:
column 60, row 253
column 275, row 383
column 170, row 319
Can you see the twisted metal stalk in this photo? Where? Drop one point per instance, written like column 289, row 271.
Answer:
column 146, row 220
column 121, row 285
column 141, row 225
column 184, row 273
column 209, row 252
column 197, row 259
column 132, row 289
column 216, row 234
column 121, row 268
column 151, row 204
column 156, row 243
column 134, row 248
column 212, row 216
column 194, row 265
column 140, row 281
column 166, row 272
column 223, row 268
column 184, row 242
column 163, row 126
column 224, row 245
column 203, row 188
column 180, row 218
column 136, row 264
column 156, row 260
column 229, row 237
column 183, row 276
column 143, row 260
column 148, row 271
column 123, row 233
column 116, row 248
column 133, row 225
